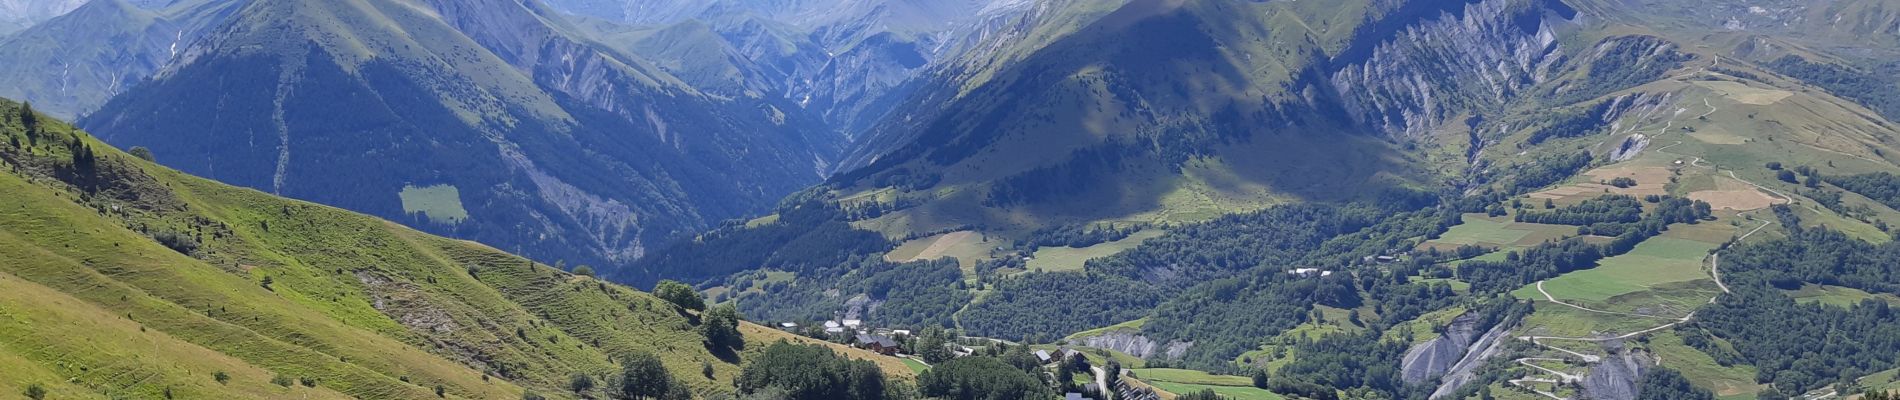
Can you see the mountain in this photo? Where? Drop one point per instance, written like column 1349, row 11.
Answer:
column 1558, row 191
column 128, row 279
column 846, row 61
column 482, row 120
column 71, row 64
column 21, row 14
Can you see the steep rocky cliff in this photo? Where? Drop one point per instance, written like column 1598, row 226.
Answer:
column 1434, row 357
column 1476, row 58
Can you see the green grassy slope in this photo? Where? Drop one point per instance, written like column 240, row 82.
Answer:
column 94, row 306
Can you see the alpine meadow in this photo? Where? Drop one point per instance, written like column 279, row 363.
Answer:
column 950, row 199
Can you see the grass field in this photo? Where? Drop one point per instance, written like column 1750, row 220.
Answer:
column 1181, row 381
column 1500, row 232
column 1478, row 229
column 1062, row 258
column 441, row 203
column 1735, row 382
column 967, row 247
column 915, row 366
column 1657, row 261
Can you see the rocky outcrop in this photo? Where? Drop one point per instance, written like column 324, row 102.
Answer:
column 1133, row 343
column 1480, row 351
column 1616, row 376
column 1438, row 69
column 1435, row 357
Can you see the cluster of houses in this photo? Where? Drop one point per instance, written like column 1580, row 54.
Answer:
column 881, row 340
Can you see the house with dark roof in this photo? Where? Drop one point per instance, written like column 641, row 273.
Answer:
column 878, row 343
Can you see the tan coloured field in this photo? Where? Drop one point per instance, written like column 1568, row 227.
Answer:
column 1746, row 94
column 1732, row 194
column 1649, row 180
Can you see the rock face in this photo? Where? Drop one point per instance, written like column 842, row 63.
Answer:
column 1480, row 351
column 1435, row 70
column 1435, row 357
column 1615, row 378
column 1133, row 343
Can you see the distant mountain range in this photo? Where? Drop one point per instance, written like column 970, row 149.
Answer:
column 1360, row 198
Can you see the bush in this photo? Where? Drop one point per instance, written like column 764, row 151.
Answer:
column 35, row 392
column 642, row 376
column 721, row 328
column 179, row 242
column 680, row 294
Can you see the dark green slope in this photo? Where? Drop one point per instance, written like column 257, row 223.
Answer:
column 127, row 279
column 553, row 146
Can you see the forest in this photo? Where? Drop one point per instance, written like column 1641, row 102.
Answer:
column 1795, row 346
column 808, row 236
column 1875, row 91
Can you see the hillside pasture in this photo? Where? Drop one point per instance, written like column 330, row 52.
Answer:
column 1063, row 258
column 1182, row 381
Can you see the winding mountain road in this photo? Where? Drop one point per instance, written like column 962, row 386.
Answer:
column 1715, row 273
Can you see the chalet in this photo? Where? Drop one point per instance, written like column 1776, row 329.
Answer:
column 1044, row 356
column 853, row 324
column 1074, row 396
column 788, row 326
column 880, row 344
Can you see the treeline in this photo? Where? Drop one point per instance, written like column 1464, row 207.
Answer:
column 1079, row 172
column 1075, row 235
column 809, row 372
column 1548, row 260
column 1629, row 61
column 1882, row 187
column 1278, row 235
column 1227, row 317
column 1876, row 92
column 807, row 237
column 1662, row 383
column 1543, row 171
column 913, row 294
column 1607, row 208
column 1045, row 306
column 982, row 378
column 1572, row 123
